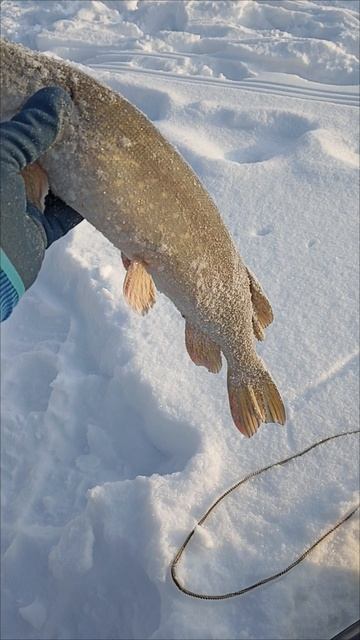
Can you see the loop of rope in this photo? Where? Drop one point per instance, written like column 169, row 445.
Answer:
column 257, row 584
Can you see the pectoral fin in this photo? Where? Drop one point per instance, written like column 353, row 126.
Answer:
column 36, row 185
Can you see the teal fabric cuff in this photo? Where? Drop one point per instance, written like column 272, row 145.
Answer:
column 11, row 273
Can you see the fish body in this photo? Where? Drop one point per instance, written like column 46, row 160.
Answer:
column 114, row 167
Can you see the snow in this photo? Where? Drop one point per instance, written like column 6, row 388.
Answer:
column 113, row 443
column 34, row 614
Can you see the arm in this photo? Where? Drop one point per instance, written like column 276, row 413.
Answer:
column 26, row 231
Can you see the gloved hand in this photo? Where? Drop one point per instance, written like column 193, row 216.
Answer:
column 31, row 219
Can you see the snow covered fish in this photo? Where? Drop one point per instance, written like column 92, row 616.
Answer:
column 114, row 167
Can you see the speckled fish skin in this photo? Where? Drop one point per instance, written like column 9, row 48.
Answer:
column 114, row 167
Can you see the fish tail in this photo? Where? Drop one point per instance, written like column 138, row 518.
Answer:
column 255, row 402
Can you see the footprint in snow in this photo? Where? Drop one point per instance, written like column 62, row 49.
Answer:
column 311, row 244
column 265, row 231
column 258, row 136
column 265, row 135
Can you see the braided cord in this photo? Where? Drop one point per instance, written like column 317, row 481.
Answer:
column 274, row 576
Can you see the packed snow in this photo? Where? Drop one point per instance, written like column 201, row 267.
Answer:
column 113, row 443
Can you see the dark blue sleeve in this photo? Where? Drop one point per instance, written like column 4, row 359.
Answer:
column 35, row 128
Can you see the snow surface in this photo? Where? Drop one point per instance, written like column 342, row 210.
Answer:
column 113, row 442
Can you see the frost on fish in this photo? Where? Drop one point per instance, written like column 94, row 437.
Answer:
column 114, row 167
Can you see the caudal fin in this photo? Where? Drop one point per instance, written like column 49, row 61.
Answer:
column 255, row 403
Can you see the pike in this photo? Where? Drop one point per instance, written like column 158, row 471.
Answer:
column 115, row 168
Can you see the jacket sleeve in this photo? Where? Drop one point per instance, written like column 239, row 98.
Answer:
column 23, row 140
column 11, row 286
column 35, row 128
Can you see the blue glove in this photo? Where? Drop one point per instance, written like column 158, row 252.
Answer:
column 27, row 231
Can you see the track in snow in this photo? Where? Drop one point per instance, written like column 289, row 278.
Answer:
column 112, row 61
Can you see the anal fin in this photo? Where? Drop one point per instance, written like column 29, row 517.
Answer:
column 201, row 349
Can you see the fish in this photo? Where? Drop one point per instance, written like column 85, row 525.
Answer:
column 116, row 169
